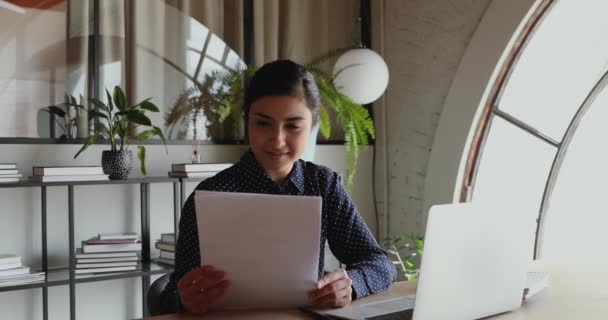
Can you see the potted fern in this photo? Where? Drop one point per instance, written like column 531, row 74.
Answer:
column 113, row 122
column 209, row 102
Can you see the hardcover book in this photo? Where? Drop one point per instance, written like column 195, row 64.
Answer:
column 67, row 170
column 197, row 167
column 56, row 178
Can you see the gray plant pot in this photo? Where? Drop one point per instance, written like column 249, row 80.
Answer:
column 117, row 164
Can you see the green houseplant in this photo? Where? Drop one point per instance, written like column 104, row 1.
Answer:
column 67, row 112
column 113, row 121
column 405, row 250
column 211, row 101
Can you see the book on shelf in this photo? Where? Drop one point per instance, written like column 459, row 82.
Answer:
column 167, row 237
column 96, row 240
column 9, row 258
column 67, row 170
column 118, row 236
column 14, row 271
column 197, row 167
column 167, row 255
column 165, row 246
column 6, row 172
column 81, row 255
column 87, row 248
column 12, row 265
column 96, row 177
column 198, row 174
column 105, row 264
column 170, row 262
column 98, row 260
column 18, row 175
column 14, row 179
column 8, row 166
column 22, row 280
column 102, row 270
column 22, row 276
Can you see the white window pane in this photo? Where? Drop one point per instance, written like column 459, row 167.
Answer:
column 233, row 61
column 559, row 66
column 197, row 35
column 575, row 225
column 513, row 170
column 216, row 48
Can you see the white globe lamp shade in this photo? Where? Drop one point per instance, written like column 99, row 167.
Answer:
column 361, row 74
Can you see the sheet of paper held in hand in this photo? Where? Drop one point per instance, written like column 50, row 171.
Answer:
column 268, row 245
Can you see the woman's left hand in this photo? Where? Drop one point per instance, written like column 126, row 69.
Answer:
column 333, row 290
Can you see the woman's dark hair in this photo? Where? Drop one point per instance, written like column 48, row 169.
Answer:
column 283, row 78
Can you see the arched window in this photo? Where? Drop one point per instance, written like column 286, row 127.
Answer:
column 539, row 144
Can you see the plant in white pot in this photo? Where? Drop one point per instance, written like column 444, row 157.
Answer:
column 114, row 120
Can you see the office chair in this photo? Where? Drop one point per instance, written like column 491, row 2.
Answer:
column 155, row 307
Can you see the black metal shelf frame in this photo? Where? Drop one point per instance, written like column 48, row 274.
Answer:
column 67, row 276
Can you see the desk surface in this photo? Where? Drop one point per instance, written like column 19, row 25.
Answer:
column 571, row 295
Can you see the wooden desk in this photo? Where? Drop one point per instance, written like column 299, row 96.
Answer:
column 580, row 295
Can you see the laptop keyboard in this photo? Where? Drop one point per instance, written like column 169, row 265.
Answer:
column 399, row 315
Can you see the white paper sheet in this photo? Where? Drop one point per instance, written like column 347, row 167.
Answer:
column 268, row 245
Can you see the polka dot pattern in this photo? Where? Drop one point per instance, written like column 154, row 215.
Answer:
column 342, row 226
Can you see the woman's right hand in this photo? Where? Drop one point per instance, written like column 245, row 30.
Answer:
column 201, row 287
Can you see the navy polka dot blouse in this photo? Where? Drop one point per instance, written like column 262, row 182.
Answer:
column 341, row 226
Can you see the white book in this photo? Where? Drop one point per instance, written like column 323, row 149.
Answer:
column 67, row 170
column 21, row 281
column 97, row 260
column 100, row 270
column 96, row 177
column 105, row 265
column 118, row 236
column 2, row 179
column 18, row 175
column 22, row 276
column 167, row 255
column 5, row 172
column 82, row 255
column 9, row 258
column 13, row 272
column 193, row 167
column 167, row 237
column 86, row 248
column 13, row 265
column 197, row 174
column 8, row 166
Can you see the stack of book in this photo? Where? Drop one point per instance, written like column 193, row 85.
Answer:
column 9, row 172
column 13, row 272
column 109, row 252
column 64, row 173
column 166, row 245
column 74, row 173
column 197, row 170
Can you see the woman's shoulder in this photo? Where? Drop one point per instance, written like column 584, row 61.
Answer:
column 220, row 180
column 324, row 176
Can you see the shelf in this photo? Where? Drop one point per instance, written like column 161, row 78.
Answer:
column 59, row 277
column 29, row 184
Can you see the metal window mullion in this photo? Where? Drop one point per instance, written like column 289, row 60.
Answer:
column 525, row 127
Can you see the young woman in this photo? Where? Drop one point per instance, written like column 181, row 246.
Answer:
column 281, row 106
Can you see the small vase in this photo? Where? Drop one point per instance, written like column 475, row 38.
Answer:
column 117, row 164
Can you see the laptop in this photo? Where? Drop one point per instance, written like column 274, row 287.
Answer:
column 474, row 265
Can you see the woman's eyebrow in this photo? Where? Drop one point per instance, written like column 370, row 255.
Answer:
column 265, row 116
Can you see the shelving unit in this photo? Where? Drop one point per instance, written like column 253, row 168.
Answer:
column 67, row 276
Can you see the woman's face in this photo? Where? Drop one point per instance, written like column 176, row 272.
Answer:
column 279, row 127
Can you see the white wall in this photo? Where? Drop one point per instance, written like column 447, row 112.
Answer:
column 106, row 208
column 423, row 43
